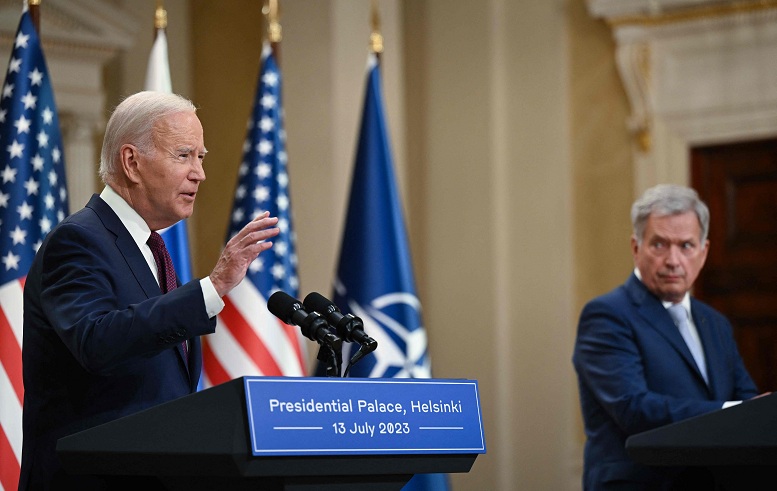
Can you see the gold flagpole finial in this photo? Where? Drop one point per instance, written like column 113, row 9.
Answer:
column 160, row 16
column 376, row 38
column 271, row 11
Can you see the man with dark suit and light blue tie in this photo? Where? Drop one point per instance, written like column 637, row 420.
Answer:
column 108, row 330
column 648, row 354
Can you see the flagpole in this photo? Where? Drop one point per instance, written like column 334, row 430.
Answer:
column 271, row 11
column 376, row 38
column 160, row 18
column 34, row 6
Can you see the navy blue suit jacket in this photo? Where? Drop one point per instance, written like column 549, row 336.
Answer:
column 636, row 373
column 100, row 339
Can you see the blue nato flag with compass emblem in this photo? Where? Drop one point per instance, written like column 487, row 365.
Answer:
column 375, row 279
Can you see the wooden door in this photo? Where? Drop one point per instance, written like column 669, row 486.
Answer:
column 739, row 184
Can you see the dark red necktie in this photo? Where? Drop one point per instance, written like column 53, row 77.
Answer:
column 165, row 270
column 164, row 263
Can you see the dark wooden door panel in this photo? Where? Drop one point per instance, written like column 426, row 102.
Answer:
column 739, row 184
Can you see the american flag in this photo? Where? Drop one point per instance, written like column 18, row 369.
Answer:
column 33, row 198
column 248, row 339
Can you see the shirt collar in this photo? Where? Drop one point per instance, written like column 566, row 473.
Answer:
column 134, row 223
column 685, row 302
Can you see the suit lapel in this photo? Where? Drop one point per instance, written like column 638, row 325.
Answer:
column 127, row 246
column 143, row 275
column 652, row 311
column 712, row 350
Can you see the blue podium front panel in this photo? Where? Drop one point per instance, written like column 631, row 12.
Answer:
column 328, row 416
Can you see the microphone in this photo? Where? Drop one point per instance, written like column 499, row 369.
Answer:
column 313, row 326
column 348, row 327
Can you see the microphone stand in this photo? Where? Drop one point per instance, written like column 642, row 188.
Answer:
column 332, row 356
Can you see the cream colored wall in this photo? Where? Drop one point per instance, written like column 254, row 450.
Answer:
column 496, row 244
column 601, row 154
column 600, row 150
column 507, row 123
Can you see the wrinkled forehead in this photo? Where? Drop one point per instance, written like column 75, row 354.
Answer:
column 684, row 225
column 176, row 129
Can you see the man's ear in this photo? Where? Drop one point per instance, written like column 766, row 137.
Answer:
column 704, row 251
column 129, row 162
column 634, row 246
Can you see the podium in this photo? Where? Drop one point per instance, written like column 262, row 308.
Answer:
column 738, row 444
column 201, row 441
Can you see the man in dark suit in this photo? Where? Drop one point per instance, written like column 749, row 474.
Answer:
column 101, row 340
column 636, row 370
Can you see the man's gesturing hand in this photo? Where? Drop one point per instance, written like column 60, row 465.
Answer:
column 241, row 250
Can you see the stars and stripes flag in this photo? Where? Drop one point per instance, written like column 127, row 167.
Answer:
column 158, row 79
column 33, row 198
column 375, row 273
column 248, row 339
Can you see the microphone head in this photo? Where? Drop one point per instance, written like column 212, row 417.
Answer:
column 319, row 303
column 282, row 305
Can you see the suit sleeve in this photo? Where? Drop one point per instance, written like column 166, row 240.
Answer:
column 95, row 304
column 611, row 366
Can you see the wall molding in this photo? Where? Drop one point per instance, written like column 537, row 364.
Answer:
column 700, row 79
column 79, row 37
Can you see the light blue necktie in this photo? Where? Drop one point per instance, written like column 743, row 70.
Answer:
column 680, row 317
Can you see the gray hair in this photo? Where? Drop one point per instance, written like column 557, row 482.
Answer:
column 668, row 199
column 132, row 122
